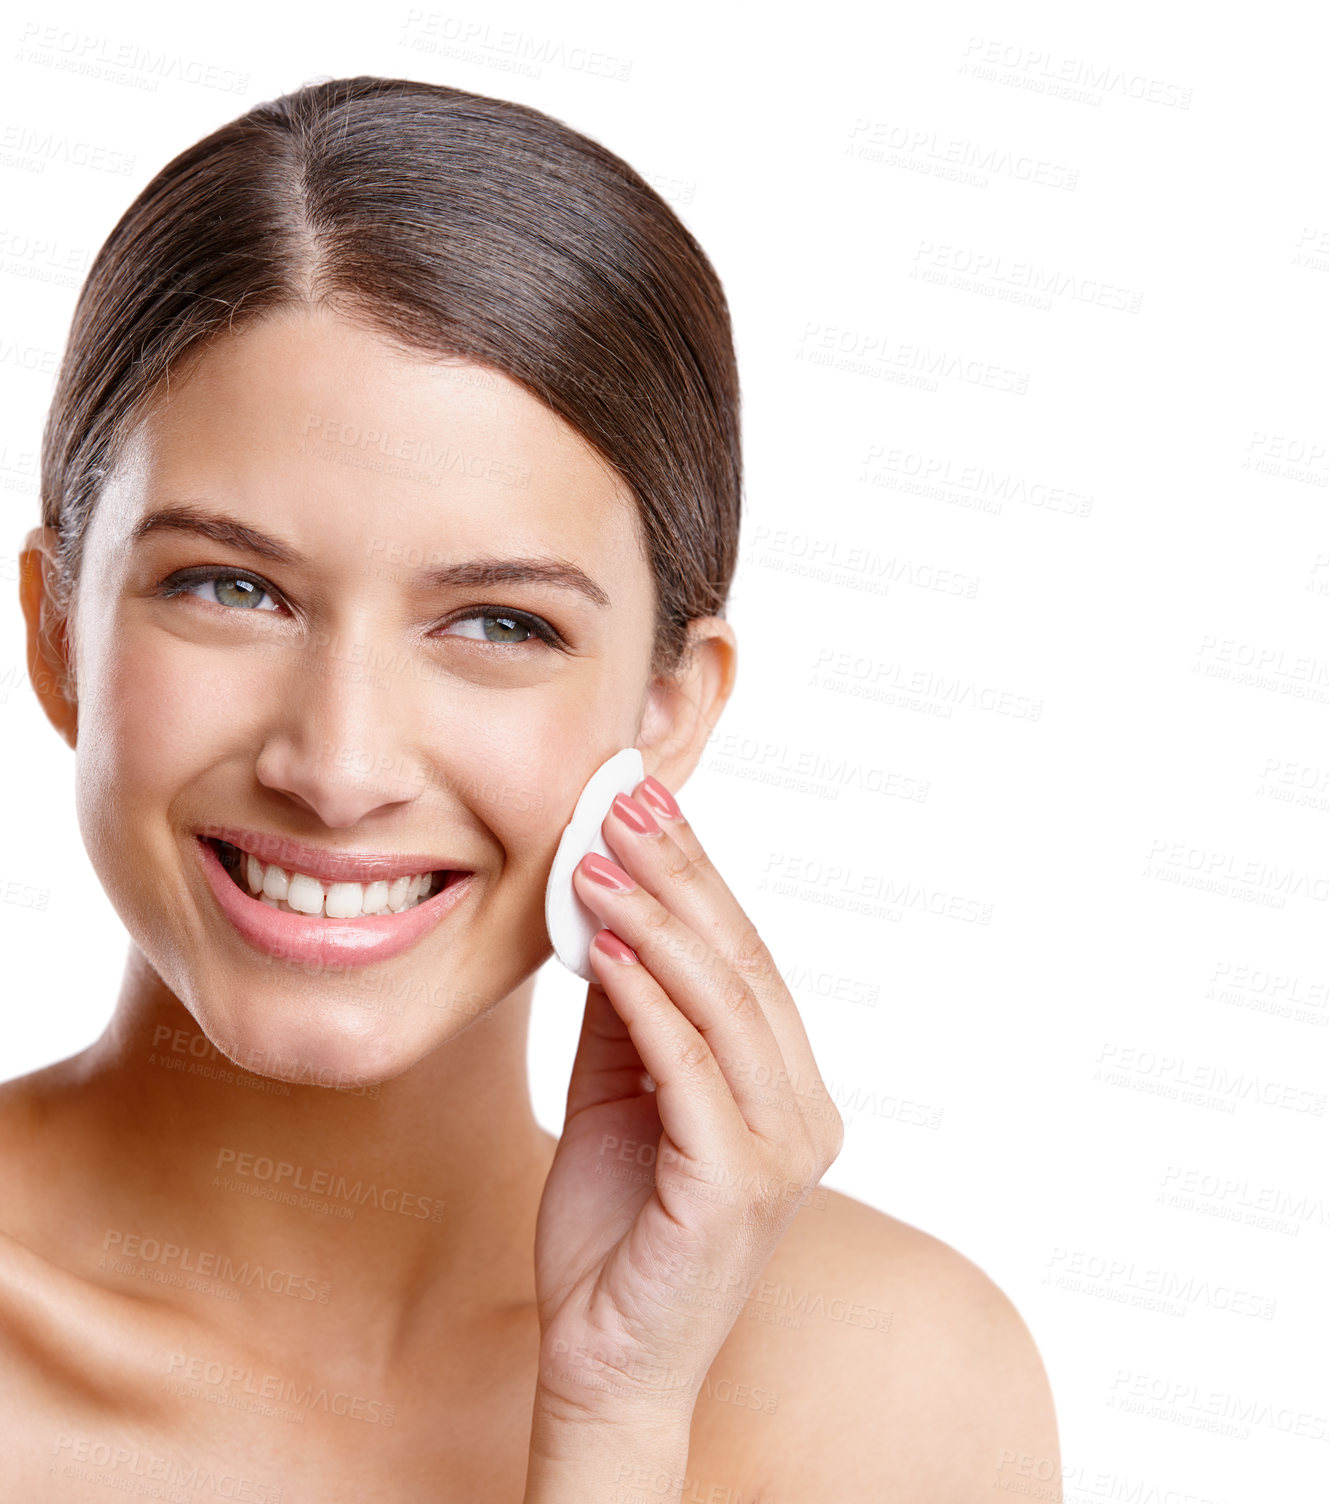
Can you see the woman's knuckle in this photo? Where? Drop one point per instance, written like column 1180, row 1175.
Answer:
column 697, row 1059
column 751, row 957
column 696, row 869
column 735, row 999
column 656, row 919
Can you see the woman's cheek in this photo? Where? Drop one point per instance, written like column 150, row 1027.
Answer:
column 141, row 731
column 164, row 713
column 526, row 766
column 517, row 768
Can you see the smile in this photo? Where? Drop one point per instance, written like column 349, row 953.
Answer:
column 291, row 914
column 300, row 893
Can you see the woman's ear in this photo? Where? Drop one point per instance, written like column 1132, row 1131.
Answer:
column 50, row 655
column 680, row 713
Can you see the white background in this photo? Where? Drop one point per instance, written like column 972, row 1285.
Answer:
column 1054, row 1046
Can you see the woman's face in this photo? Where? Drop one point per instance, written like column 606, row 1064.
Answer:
column 306, row 680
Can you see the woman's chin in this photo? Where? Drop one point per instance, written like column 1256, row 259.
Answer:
column 338, row 1045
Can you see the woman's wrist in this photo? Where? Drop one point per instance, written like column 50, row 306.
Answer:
column 585, row 1460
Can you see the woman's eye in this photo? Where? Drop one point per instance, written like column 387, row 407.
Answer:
column 499, row 627
column 226, row 587
column 222, row 587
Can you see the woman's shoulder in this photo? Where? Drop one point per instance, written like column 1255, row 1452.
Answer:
column 50, row 1311
column 71, row 1351
column 874, row 1360
column 34, row 1167
column 23, row 1160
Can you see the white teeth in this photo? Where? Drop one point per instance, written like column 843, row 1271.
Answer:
column 305, row 894
column 345, row 901
column 297, row 893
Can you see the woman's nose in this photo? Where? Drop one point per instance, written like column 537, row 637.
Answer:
column 344, row 740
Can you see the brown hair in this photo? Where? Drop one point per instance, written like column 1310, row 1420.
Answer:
column 456, row 225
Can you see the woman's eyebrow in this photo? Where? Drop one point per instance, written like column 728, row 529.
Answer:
column 492, row 571
column 217, row 526
column 220, row 528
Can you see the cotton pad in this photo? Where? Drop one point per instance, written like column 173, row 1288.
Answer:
column 572, row 926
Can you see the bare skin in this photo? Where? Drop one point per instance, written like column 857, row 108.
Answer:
column 159, row 1309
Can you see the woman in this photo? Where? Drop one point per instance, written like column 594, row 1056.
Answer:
column 391, row 485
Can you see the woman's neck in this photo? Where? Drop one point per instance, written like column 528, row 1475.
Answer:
column 410, row 1201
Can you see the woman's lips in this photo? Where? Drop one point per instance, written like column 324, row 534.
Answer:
column 339, row 942
column 278, row 850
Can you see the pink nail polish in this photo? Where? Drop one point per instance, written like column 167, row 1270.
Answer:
column 654, row 791
column 635, row 816
column 614, row 947
column 607, row 874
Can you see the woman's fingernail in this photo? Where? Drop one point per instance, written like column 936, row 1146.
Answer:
column 660, row 797
column 614, row 947
column 607, row 874
column 635, row 816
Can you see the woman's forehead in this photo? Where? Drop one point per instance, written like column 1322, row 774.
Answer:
column 312, row 422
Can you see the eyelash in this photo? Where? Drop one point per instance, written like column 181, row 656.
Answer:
column 181, row 581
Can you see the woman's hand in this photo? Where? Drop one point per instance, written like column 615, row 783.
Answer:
column 696, row 1124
